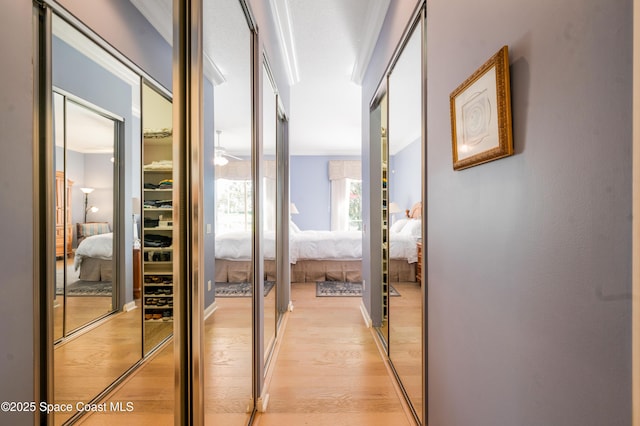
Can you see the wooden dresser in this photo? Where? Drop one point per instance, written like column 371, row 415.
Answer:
column 61, row 210
column 419, row 264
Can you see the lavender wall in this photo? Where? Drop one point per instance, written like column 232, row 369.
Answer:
column 124, row 27
column 311, row 190
column 405, row 181
column 17, row 175
column 529, row 266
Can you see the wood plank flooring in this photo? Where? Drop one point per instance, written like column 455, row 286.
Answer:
column 328, row 371
column 88, row 363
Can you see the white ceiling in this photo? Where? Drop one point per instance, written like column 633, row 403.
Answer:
column 331, row 43
column 325, row 104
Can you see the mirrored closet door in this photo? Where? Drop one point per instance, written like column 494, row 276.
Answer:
column 228, row 302
column 84, row 199
column 405, row 218
column 269, row 210
column 95, row 136
column 397, row 127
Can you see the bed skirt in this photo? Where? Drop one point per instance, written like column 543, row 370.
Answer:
column 312, row 270
column 93, row 269
column 239, row 271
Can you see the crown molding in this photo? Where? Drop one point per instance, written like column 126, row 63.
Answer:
column 376, row 12
column 285, row 36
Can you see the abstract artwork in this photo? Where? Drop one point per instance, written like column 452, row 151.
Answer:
column 481, row 114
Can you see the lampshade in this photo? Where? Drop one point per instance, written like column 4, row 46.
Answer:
column 87, row 190
column 293, row 209
column 394, row 208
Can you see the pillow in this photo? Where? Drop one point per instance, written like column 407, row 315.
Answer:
column 413, row 228
column 398, row 225
column 293, row 228
column 92, row 228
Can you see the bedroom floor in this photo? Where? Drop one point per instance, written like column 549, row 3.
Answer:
column 328, row 371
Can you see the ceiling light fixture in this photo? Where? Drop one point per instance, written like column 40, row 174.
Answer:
column 218, row 157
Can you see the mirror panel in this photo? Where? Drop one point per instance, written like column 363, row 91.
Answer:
column 378, row 127
column 405, row 213
column 63, row 239
column 270, row 228
column 228, row 329
column 96, row 133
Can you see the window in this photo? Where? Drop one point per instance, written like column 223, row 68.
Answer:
column 355, row 204
column 233, row 205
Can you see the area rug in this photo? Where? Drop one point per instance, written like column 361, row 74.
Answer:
column 90, row 288
column 240, row 289
column 343, row 289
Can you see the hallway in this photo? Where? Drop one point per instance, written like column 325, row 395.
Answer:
column 328, row 371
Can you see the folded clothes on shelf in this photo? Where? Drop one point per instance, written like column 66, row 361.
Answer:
column 155, row 240
column 158, row 204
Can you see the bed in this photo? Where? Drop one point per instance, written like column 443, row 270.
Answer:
column 233, row 256
column 93, row 256
column 321, row 255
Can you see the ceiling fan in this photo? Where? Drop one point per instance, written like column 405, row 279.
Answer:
column 220, row 153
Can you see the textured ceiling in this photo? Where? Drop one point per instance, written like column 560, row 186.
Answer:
column 325, row 104
column 329, row 37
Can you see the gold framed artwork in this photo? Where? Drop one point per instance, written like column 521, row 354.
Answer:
column 481, row 114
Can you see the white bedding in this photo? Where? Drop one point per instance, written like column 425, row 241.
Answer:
column 96, row 246
column 313, row 245
column 237, row 246
column 326, row 245
column 403, row 247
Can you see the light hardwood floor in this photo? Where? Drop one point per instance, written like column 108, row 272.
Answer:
column 405, row 341
column 328, row 371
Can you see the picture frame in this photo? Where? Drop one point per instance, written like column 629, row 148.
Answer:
column 481, row 126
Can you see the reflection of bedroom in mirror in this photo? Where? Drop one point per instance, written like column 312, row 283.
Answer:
column 84, row 214
column 405, row 218
column 229, row 321
column 269, row 121
column 97, row 328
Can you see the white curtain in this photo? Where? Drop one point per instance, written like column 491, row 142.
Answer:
column 340, row 171
column 339, row 205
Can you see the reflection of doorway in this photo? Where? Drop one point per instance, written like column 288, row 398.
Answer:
column 86, row 171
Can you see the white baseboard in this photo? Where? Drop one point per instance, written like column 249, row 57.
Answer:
column 129, row 306
column 365, row 315
column 263, row 401
column 210, row 310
